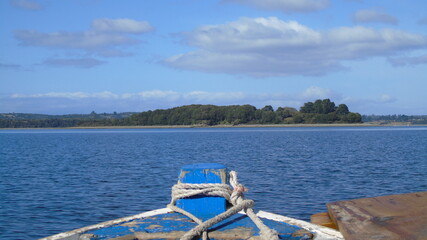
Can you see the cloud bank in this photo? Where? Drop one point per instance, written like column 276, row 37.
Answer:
column 26, row 5
column 75, row 62
column 374, row 16
column 105, row 38
column 287, row 6
column 263, row 47
column 406, row 61
column 83, row 102
column 76, row 102
column 121, row 26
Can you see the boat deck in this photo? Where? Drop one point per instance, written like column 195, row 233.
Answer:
column 175, row 225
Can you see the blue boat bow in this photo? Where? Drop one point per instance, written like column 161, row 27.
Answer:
column 211, row 209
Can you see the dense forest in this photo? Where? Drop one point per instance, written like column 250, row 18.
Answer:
column 92, row 115
column 320, row 111
column 28, row 120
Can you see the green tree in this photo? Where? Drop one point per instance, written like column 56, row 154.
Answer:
column 285, row 112
column 342, row 109
column 268, row 108
column 324, row 106
column 297, row 118
column 353, row 118
column 307, row 108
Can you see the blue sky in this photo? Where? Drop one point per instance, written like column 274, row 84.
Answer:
column 63, row 56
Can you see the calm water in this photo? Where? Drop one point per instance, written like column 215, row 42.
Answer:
column 57, row 180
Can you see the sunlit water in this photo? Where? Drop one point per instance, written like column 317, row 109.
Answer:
column 58, row 180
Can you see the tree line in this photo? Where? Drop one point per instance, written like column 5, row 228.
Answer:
column 92, row 115
column 319, row 111
column 395, row 118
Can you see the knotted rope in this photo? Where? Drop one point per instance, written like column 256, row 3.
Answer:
column 234, row 196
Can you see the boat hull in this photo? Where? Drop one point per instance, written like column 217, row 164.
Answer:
column 165, row 224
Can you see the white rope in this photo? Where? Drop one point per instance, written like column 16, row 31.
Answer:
column 234, row 196
column 185, row 190
column 266, row 233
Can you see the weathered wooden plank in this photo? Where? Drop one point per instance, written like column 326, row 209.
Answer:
column 323, row 219
column 402, row 216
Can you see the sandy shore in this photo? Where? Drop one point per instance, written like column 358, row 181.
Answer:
column 371, row 124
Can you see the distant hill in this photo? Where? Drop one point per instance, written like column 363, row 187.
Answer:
column 92, row 115
column 395, row 118
column 321, row 111
column 29, row 120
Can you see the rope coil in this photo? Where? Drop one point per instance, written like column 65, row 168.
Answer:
column 233, row 195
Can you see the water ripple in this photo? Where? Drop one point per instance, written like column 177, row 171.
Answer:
column 58, row 180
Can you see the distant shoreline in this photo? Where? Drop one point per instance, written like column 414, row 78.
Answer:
column 371, row 124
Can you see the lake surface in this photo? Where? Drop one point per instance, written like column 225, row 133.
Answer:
column 58, row 180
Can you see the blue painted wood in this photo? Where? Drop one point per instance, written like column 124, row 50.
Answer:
column 157, row 226
column 203, row 207
column 175, row 222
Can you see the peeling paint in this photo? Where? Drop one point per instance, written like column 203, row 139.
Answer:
column 153, row 226
column 147, row 226
column 238, row 233
column 182, row 175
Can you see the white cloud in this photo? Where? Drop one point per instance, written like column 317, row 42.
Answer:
column 373, row 16
column 85, row 102
column 287, row 6
column 380, row 104
column 89, row 40
column 74, row 62
column 263, row 47
column 202, row 96
column 73, row 95
column 385, row 98
column 252, row 34
column 105, row 38
column 121, row 25
column 26, row 4
column 405, row 61
column 155, row 95
column 80, row 102
column 319, row 93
